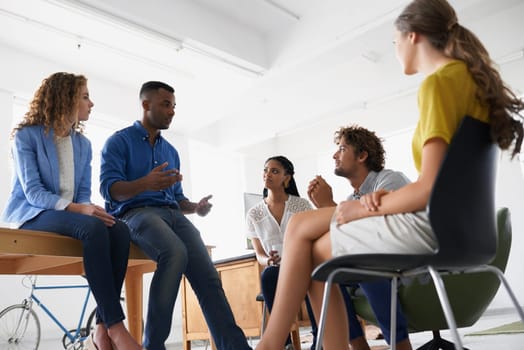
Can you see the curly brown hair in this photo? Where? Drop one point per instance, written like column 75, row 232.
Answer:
column 364, row 140
column 55, row 101
column 437, row 20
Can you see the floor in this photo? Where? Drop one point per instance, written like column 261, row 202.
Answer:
column 488, row 342
column 489, row 320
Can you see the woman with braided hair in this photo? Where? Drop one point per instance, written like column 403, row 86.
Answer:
column 267, row 221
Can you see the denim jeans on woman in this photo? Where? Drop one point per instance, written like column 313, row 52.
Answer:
column 106, row 252
column 169, row 238
column 268, row 281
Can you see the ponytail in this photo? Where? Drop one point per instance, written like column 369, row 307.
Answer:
column 438, row 22
column 502, row 102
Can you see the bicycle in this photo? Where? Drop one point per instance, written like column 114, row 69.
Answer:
column 20, row 326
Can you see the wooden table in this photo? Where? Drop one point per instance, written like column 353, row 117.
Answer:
column 240, row 278
column 25, row 252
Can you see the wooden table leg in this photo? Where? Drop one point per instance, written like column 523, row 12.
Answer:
column 295, row 335
column 133, row 285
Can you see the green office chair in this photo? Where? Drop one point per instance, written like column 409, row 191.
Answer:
column 469, row 295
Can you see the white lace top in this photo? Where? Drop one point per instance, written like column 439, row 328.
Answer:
column 262, row 225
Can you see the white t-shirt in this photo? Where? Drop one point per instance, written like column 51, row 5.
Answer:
column 262, row 225
column 64, row 150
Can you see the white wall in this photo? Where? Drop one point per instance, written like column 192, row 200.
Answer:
column 510, row 193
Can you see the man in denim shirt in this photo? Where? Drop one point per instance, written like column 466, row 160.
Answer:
column 141, row 183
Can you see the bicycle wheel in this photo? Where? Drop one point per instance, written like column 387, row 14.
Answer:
column 84, row 333
column 78, row 342
column 19, row 328
column 91, row 322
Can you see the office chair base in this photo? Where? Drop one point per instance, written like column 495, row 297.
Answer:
column 438, row 343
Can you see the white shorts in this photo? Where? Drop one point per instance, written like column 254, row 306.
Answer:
column 408, row 233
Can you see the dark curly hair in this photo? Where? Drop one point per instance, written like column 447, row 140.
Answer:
column 437, row 20
column 364, row 140
column 55, row 101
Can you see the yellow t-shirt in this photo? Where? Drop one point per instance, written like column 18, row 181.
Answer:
column 444, row 98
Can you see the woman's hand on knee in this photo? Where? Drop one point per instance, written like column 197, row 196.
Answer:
column 92, row 210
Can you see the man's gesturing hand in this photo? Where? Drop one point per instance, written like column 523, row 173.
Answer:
column 203, row 206
column 159, row 179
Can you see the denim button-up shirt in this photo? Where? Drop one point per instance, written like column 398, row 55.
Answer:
column 127, row 156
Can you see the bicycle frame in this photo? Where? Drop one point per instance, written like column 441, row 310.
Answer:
column 76, row 336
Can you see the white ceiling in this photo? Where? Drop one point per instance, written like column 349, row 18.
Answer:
column 244, row 70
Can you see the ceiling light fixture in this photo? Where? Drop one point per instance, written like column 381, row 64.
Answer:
column 179, row 44
column 283, row 9
column 511, row 57
column 83, row 41
column 99, row 14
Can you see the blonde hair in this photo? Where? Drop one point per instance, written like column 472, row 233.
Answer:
column 55, row 101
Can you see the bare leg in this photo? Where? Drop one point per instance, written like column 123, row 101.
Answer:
column 336, row 320
column 336, row 330
column 339, row 321
column 101, row 338
column 121, row 338
column 295, row 276
column 359, row 343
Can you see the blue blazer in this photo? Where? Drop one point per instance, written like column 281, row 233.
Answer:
column 36, row 177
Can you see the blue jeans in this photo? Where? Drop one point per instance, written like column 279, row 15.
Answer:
column 268, row 281
column 378, row 294
column 106, row 251
column 169, row 238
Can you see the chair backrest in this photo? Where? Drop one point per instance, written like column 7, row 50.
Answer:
column 469, row 294
column 462, row 203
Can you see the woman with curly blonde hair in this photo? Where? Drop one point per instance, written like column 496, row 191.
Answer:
column 52, row 192
column 52, row 108
column 460, row 79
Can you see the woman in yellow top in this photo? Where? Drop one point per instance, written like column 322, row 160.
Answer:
column 460, row 80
